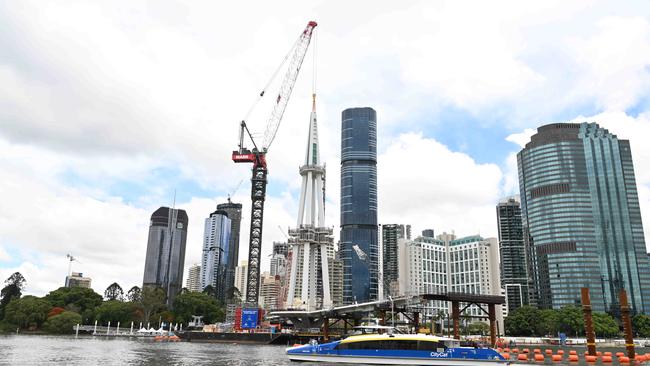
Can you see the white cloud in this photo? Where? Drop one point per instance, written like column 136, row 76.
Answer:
column 423, row 183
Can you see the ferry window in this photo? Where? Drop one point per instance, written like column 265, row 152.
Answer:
column 363, row 345
column 400, row 345
column 430, row 346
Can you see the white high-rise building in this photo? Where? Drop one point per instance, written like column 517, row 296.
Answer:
column 311, row 242
column 193, row 283
column 241, row 277
column 446, row 264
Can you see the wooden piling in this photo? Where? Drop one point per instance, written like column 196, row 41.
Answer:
column 627, row 324
column 589, row 325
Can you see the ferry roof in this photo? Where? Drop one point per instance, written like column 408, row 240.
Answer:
column 406, row 337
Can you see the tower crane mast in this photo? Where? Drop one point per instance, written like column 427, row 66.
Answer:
column 257, row 156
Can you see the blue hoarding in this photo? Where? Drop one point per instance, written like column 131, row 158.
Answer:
column 249, row 318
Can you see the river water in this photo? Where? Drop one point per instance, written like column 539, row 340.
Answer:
column 87, row 350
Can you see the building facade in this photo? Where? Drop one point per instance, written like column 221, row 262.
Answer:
column 77, row 279
column 581, row 218
column 165, row 257
column 513, row 265
column 193, row 283
column 269, row 291
column 216, row 253
column 390, row 234
column 359, row 244
column 241, row 277
column 233, row 210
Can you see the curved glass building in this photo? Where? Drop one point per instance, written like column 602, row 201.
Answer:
column 581, row 218
column 359, row 248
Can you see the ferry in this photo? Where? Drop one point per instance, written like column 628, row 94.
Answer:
column 396, row 349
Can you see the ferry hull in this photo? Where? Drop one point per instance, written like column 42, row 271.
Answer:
column 394, row 361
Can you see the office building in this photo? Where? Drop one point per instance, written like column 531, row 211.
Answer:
column 390, row 234
column 165, row 259
column 336, row 280
column 359, row 244
column 581, row 218
column 241, row 278
column 216, row 253
column 77, row 279
column 514, row 273
column 193, row 283
column 428, row 233
column 233, row 210
column 269, row 291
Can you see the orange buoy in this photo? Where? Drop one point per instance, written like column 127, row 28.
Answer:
column 639, row 358
column 624, row 359
column 620, row 354
column 598, row 353
column 573, row 352
column 506, row 356
column 297, row 345
column 560, row 352
column 526, row 350
column 548, row 352
column 537, row 350
column 556, row 358
column 499, row 349
column 607, row 354
column 539, row 357
column 590, row 358
column 506, row 350
column 515, row 350
column 607, row 359
column 573, row 358
column 522, row 357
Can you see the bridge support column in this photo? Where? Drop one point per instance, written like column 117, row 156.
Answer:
column 493, row 324
column 416, row 321
column 455, row 316
column 326, row 329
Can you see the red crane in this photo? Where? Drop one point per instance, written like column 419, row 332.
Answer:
column 257, row 156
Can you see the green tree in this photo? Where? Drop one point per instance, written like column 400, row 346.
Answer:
column 14, row 286
column 197, row 303
column 571, row 320
column 233, row 295
column 63, row 323
column 549, row 322
column 522, row 322
column 78, row 299
column 152, row 300
column 114, row 292
column 209, row 290
column 27, row 312
column 478, row 328
column 115, row 311
column 605, row 325
column 641, row 325
column 134, row 294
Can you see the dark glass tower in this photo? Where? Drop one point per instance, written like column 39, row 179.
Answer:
column 233, row 211
column 390, row 233
column 514, row 273
column 166, row 251
column 359, row 249
column 581, row 217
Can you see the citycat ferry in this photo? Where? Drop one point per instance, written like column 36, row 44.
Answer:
column 396, row 349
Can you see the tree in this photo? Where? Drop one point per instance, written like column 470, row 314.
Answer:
column 63, row 323
column 27, row 312
column 78, row 299
column 605, row 325
column 571, row 320
column 548, row 322
column 152, row 299
column 209, row 290
column 478, row 328
column 14, row 286
column 114, row 292
column 641, row 325
column 134, row 294
column 233, row 295
column 522, row 322
column 115, row 311
column 197, row 303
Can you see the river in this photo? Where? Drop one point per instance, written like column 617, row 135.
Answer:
column 87, row 350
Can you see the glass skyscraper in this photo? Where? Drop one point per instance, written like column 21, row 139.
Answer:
column 359, row 249
column 514, row 273
column 165, row 258
column 216, row 253
column 581, row 218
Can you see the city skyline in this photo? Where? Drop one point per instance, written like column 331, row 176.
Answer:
column 100, row 142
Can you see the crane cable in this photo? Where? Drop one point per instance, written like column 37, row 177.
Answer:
column 314, row 48
column 275, row 74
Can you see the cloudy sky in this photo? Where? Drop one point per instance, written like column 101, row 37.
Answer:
column 107, row 107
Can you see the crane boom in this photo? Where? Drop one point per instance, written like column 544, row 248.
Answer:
column 257, row 156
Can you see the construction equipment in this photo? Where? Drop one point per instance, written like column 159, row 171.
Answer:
column 257, row 155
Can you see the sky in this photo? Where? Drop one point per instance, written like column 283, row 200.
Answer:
column 109, row 107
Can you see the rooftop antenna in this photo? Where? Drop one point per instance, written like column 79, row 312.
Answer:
column 235, row 190
column 70, row 259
